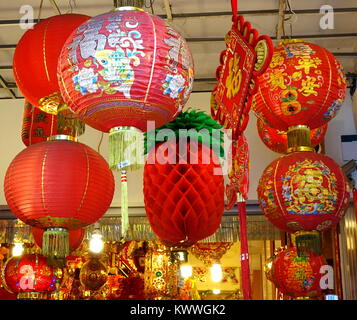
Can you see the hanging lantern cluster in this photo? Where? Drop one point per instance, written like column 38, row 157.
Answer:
column 301, row 192
column 183, row 181
column 30, row 277
column 296, row 276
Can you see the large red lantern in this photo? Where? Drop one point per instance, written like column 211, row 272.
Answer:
column 184, row 200
column 304, row 85
column 297, row 276
column 303, row 192
column 29, row 276
column 58, row 185
column 277, row 140
column 36, row 57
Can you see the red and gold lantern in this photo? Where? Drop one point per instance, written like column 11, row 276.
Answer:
column 29, row 276
column 93, row 275
column 36, row 57
column 297, row 276
column 304, row 85
column 303, row 192
column 58, row 185
column 277, row 140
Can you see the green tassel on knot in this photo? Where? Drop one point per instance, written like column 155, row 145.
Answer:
column 56, row 246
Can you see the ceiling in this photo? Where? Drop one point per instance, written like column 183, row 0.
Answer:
column 204, row 24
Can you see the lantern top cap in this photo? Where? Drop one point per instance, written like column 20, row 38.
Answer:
column 64, row 137
column 127, row 8
column 287, row 41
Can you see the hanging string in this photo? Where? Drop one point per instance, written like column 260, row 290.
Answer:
column 55, row 6
column 293, row 16
column 234, row 5
column 71, row 4
column 150, row 6
column 100, row 142
column 280, row 26
column 40, row 11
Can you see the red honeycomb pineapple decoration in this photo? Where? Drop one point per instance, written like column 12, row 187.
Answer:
column 58, row 185
column 29, row 276
column 120, row 70
column 183, row 182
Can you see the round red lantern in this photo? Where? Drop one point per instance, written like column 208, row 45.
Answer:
column 36, row 57
column 121, row 69
column 58, row 185
column 303, row 191
column 75, row 237
column 37, row 125
column 297, row 276
column 304, row 85
column 184, row 188
column 29, row 276
column 277, row 140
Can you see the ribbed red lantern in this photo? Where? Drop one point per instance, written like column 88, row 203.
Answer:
column 29, row 276
column 304, row 85
column 58, row 185
column 121, row 69
column 277, row 140
column 303, row 191
column 37, row 125
column 36, row 57
column 297, row 276
column 75, row 237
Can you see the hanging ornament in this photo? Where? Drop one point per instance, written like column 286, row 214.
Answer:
column 210, row 252
column 297, row 276
column 93, row 275
column 304, row 193
column 304, row 85
column 36, row 57
column 58, row 185
column 183, row 182
column 277, row 140
column 29, row 276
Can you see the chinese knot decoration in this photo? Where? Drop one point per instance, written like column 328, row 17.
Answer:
column 184, row 186
column 36, row 57
column 296, row 276
column 29, row 276
column 303, row 191
column 304, row 85
column 58, row 185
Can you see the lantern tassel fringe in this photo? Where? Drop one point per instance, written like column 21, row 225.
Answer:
column 68, row 124
column 124, row 205
column 308, row 241
column 126, row 148
column 56, row 246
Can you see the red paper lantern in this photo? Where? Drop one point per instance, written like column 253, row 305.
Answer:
column 36, row 57
column 29, row 276
column 58, row 185
column 184, row 202
column 297, row 276
column 304, row 85
column 37, row 125
column 303, row 191
column 277, row 140
column 75, row 237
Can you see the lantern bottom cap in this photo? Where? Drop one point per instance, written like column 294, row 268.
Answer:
column 32, row 295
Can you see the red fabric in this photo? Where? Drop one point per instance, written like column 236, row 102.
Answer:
column 19, row 273
column 124, row 68
column 277, row 140
column 304, row 85
column 75, row 237
column 37, row 125
column 184, row 203
column 37, row 53
column 59, row 184
column 6, row 295
column 303, row 191
column 297, row 276
column 244, row 257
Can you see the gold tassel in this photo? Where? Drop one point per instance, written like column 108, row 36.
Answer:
column 299, row 139
column 68, row 123
column 124, row 205
column 126, row 147
column 56, row 246
column 306, row 242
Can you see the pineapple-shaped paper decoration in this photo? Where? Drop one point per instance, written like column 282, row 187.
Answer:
column 183, row 181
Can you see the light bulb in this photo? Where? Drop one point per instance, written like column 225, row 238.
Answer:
column 18, row 249
column 216, row 272
column 96, row 243
column 186, row 271
column 216, row 291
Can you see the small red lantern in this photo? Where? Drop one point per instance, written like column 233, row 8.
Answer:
column 29, row 276
column 58, row 185
column 303, row 191
column 75, row 237
column 36, row 57
column 297, row 276
column 277, row 140
column 37, row 125
column 304, row 85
